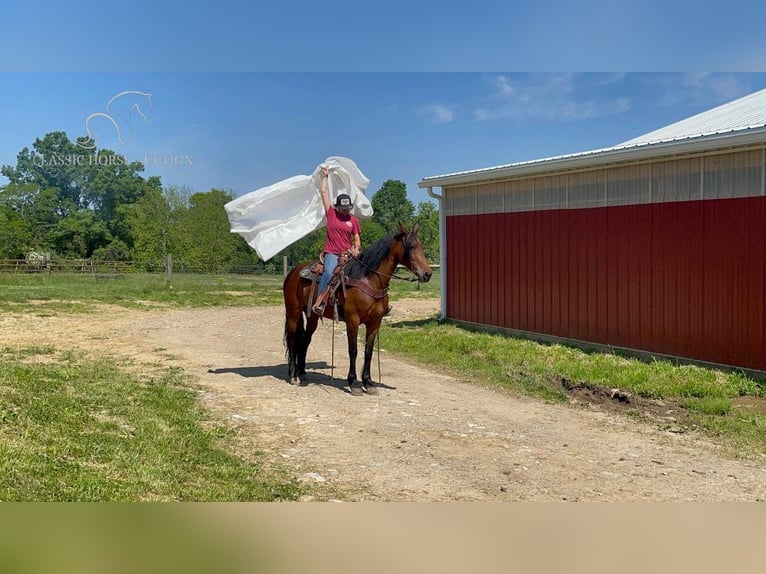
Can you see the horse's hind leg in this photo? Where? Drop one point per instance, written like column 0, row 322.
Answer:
column 293, row 336
column 303, row 346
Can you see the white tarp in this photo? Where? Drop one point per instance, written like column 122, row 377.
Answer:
column 274, row 217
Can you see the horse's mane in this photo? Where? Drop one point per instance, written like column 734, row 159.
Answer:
column 368, row 260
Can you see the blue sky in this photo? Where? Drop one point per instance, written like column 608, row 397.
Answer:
column 242, row 131
column 396, row 35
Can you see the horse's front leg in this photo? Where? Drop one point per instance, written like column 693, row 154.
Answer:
column 369, row 348
column 352, row 330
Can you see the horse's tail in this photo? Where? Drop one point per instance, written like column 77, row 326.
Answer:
column 284, row 340
column 292, row 304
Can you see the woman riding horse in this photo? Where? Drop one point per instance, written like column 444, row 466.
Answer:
column 363, row 299
column 342, row 236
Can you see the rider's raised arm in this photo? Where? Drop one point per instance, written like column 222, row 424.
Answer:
column 323, row 189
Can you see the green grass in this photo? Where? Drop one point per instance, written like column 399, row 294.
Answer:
column 518, row 364
column 398, row 289
column 41, row 294
column 712, row 406
column 73, row 429
column 537, row 369
column 47, row 295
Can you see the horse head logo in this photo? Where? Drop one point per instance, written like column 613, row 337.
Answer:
column 119, row 112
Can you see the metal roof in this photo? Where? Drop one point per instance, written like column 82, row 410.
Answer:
column 739, row 122
column 745, row 113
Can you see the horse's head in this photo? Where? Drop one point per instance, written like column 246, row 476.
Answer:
column 412, row 255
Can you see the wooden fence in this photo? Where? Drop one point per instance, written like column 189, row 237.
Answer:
column 116, row 269
column 99, row 268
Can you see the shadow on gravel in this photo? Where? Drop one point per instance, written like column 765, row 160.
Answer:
column 279, row 372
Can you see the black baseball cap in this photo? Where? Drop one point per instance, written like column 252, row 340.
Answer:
column 343, row 201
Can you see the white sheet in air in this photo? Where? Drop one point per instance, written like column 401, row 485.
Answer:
column 273, row 217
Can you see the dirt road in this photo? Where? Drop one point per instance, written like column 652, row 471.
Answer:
column 425, row 437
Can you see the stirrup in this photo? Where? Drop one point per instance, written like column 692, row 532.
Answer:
column 320, row 303
column 318, row 309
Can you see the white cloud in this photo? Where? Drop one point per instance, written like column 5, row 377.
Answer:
column 728, row 87
column 504, row 86
column 548, row 96
column 700, row 89
column 613, row 78
column 439, row 113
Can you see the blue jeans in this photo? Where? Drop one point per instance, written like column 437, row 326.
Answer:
column 330, row 263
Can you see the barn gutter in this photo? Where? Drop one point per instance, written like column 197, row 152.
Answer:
column 442, row 252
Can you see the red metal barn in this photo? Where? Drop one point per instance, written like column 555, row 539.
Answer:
column 657, row 245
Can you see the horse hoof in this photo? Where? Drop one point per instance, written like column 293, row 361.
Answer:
column 370, row 389
column 356, row 391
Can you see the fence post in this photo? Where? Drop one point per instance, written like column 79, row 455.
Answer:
column 169, row 268
column 284, row 266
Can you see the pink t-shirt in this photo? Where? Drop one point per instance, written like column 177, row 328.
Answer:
column 340, row 231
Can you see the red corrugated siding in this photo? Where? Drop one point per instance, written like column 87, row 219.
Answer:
column 683, row 278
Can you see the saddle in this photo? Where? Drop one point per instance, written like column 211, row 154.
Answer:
column 313, row 272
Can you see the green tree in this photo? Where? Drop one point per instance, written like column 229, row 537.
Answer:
column 428, row 216
column 155, row 224
column 22, row 198
column 15, row 235
column 115, row 251
column 307, row 248
column 391, row 206
column 204, row 238
column 55, row 162
column 80, row 234
column 371, row 232
column 178, row 197
column 37, row 208
column 112, row 183
column 59, row 179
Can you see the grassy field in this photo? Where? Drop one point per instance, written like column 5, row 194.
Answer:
column 40, row 293
column 709, row 400
column 75, row 429
column 75, row 293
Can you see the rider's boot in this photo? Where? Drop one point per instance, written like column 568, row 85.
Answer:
column 321, row 302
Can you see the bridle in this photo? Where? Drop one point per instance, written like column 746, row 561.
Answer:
column 379, row 274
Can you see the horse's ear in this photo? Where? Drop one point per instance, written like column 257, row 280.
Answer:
column 416, row 228
column 402, row 229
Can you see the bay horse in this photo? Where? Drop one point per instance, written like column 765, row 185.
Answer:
column 363, row 301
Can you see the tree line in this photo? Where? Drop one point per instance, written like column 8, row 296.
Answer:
column 79, row 203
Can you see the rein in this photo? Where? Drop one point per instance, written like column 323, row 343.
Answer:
column 378, row 273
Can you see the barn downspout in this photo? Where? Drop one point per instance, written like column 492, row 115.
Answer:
column 442, row 251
